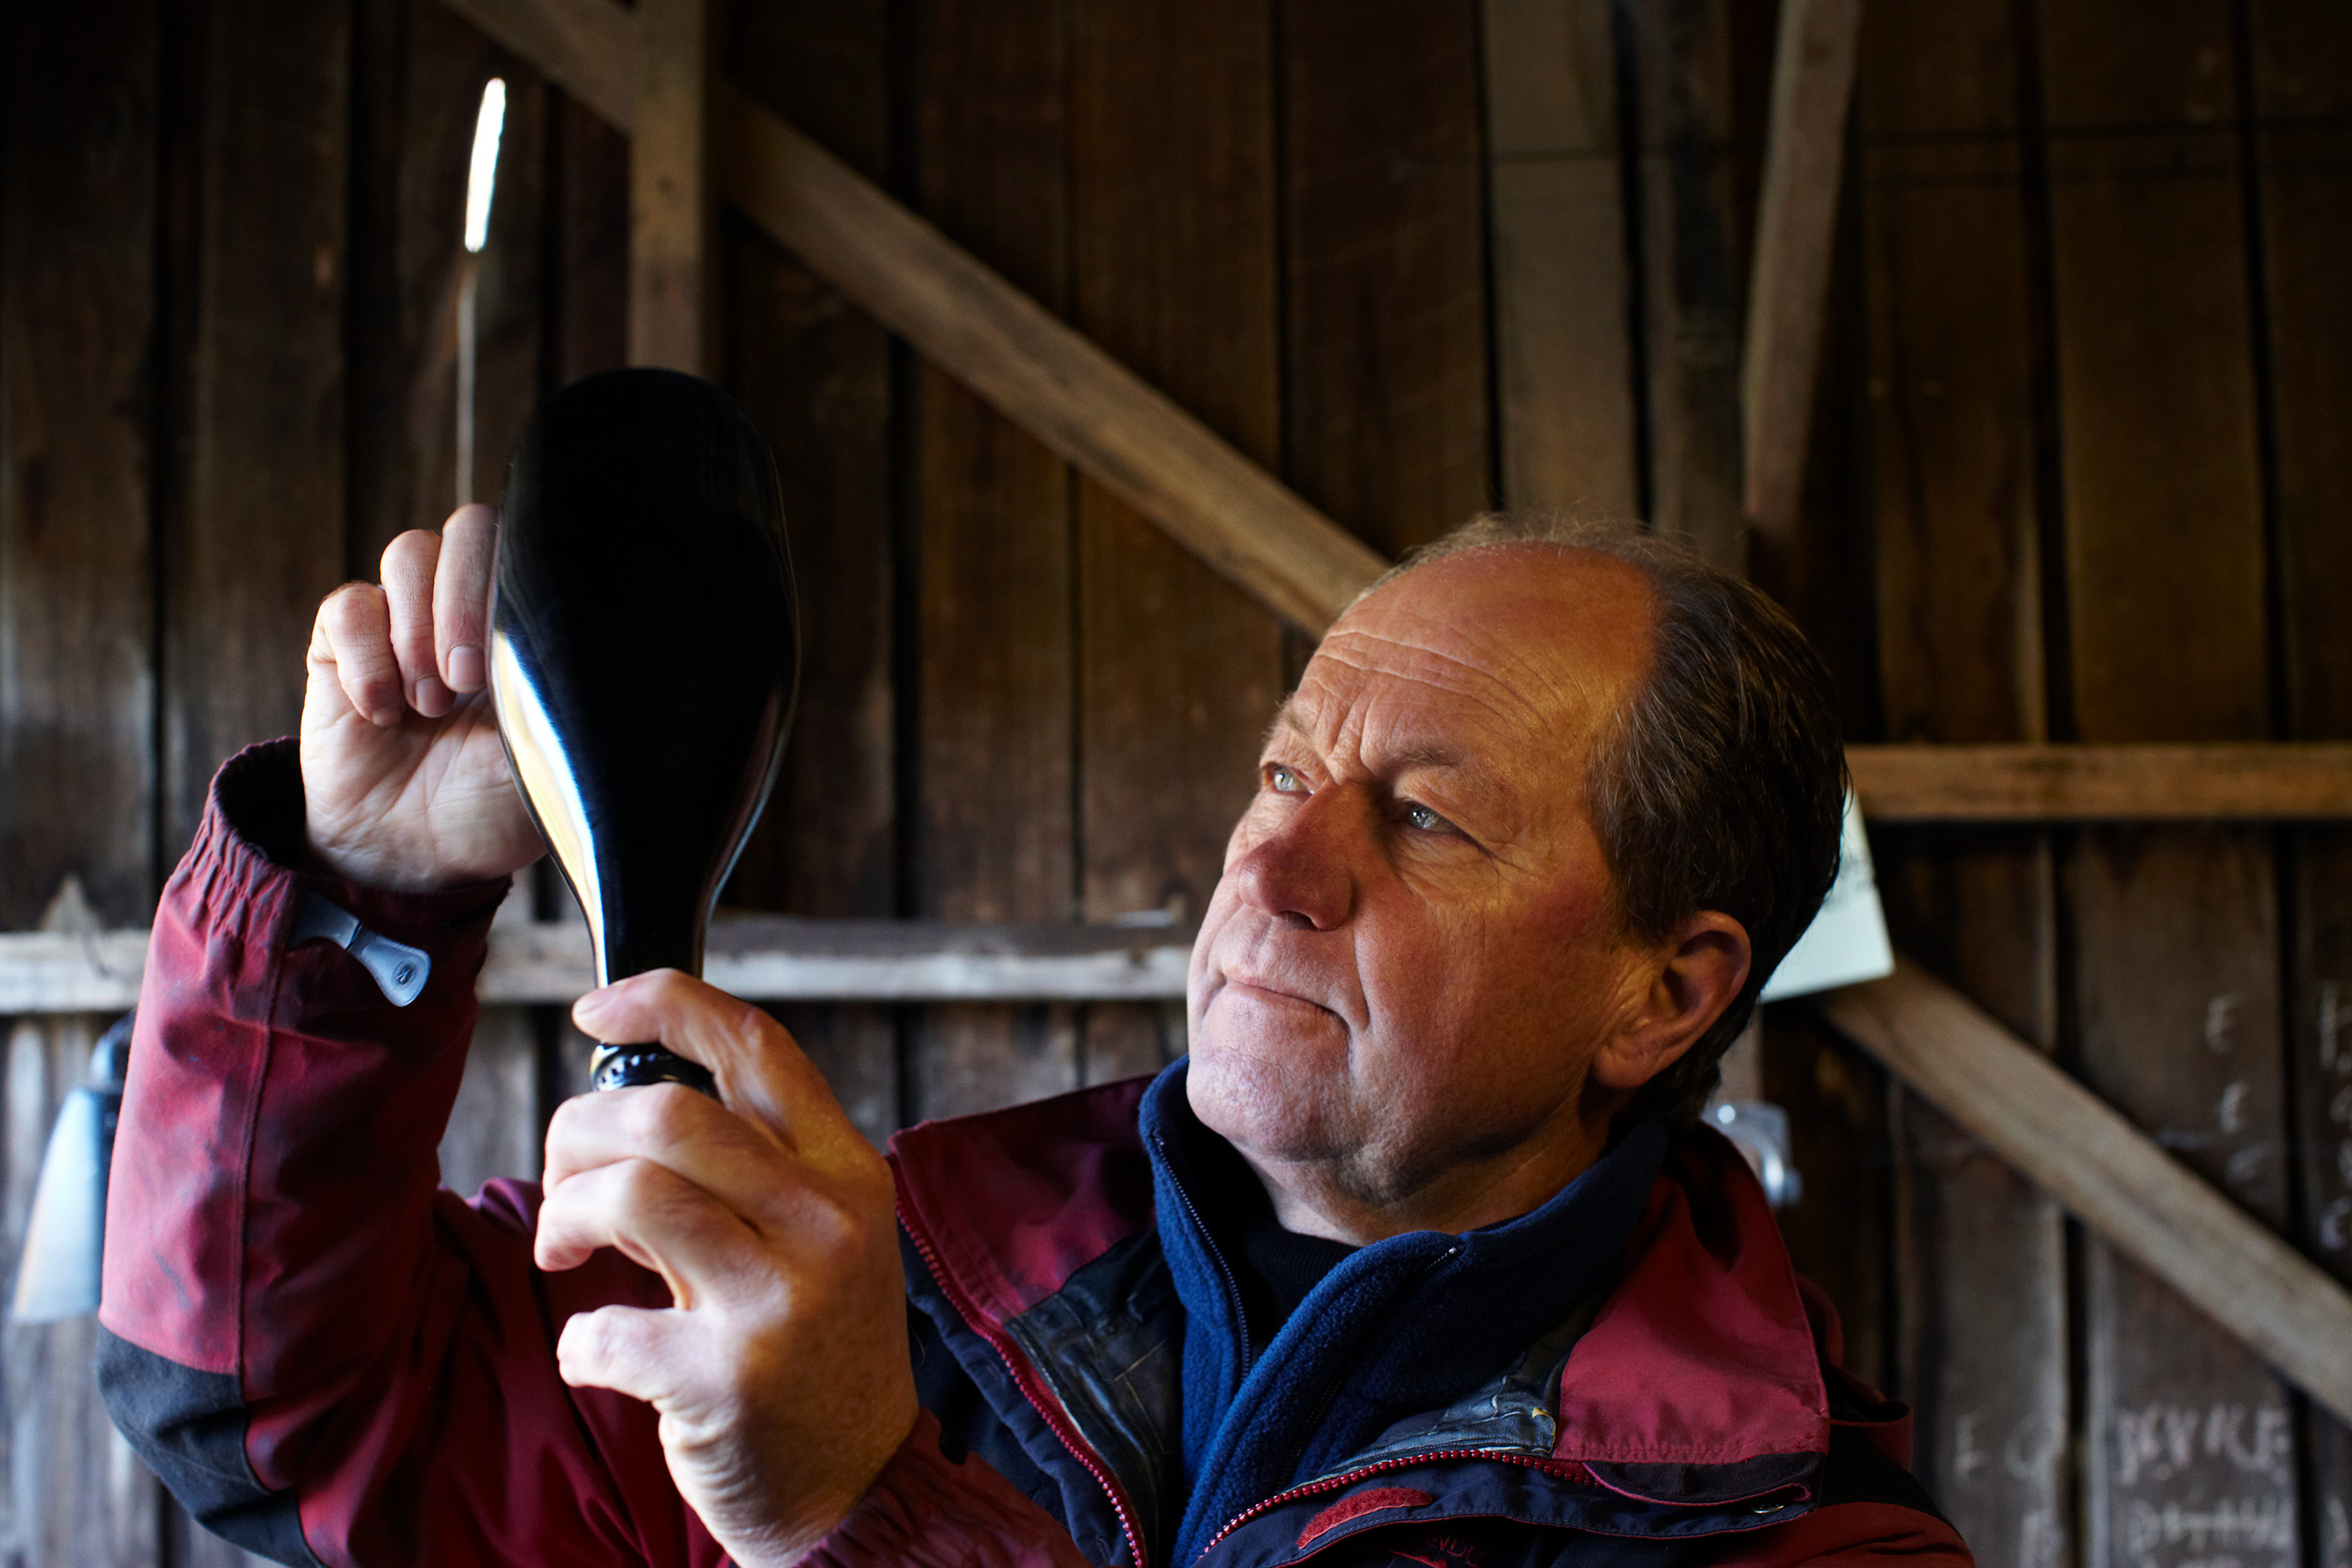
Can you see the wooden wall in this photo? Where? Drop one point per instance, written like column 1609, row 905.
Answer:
column 2078, row 473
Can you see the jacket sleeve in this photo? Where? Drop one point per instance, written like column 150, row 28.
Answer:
column 925, row 1511
column 329, row 1360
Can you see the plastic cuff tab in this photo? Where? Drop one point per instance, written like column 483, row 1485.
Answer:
column 400, row 970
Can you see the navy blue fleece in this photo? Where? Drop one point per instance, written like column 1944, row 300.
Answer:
column 1403, row 1325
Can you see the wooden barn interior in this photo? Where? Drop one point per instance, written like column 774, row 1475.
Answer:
column 1106, row 347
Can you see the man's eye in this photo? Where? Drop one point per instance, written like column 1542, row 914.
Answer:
column 1422, row 817
column 1283, row 781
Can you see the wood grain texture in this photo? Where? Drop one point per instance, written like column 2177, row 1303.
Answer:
column 255, row 535
column 256, row 538
column 1386, row 401
column 1812, row 83
column 81, row 113
column 2176, row 929
column 814, row 374
column 418, row 90
column 1010, row 350
column 79, row 317
column 1562, row 313
column 963, row 316
column 992, row 520
column 1980, row 1252
column 1694, row 269
column 78, row 314
column 672, row 210
column 2041, row 783
column 586, row 278
column 2161, row 477
column 1173, row 217
column 2121, row 1182
column 2302, row 73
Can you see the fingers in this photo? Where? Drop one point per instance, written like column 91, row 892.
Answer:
column 762, row 1074
column 461, row 596
column 409, row 563
column 659, row 1221
column 686, row 1131
column 352, row 637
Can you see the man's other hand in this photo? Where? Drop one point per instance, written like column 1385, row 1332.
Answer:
column 405, row 783
column 780, row 1372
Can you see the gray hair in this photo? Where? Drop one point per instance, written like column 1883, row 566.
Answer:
column 1719, row 785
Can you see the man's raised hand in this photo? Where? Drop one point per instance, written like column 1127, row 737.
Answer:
column 780, row 1373
column 405, row 783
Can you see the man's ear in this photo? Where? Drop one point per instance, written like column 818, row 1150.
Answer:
column 1696, row 975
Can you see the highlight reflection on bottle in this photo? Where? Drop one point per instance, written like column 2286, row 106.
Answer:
column 644, row 659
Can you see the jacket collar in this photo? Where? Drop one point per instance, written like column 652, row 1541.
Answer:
column 1696, row 1379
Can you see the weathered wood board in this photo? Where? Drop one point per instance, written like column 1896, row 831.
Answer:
column 1980, row 1257
column 83, row 101
column 815, row 376
column 1174, row 223
column 1693, row 268
column 1562, row 302
column 997, row 659
column 2189, row 1437
column 1385, row 400
column 2301, row 75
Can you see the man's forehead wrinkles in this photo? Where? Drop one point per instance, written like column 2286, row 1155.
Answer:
column 1428, row 665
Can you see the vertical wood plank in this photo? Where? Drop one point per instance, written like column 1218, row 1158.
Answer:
column 1981, row 1252
column 255, row 536
column 1693, row 268
column 994, row 581
column 419, row 87
column 2177, row 938
column 1812, row 84
column 672, row 206
column 258, row 539
column 1173, row 214
column 814, row 375
column 2302, row 68
column 1387, row 426
column 1562, row 314
column 81, row 102
column 586, row 285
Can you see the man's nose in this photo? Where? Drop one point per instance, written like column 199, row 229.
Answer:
column 1304, row 869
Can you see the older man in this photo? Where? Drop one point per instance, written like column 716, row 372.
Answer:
column 1417, row 1258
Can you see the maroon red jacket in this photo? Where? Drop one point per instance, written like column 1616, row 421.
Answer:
column 334, row 1361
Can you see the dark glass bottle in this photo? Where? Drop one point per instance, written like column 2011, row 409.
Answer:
column 644, row 658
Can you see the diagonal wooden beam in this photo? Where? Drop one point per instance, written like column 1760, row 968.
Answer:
column 967, row 320
column 2113, row 1176
column 1813, row 81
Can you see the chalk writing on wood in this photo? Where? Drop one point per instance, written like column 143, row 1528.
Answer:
column 2160, row 1441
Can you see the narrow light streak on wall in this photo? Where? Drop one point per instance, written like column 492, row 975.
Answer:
column 481, row 183
column 483, row 175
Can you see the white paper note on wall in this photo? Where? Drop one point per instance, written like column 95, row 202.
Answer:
column 1847, row 941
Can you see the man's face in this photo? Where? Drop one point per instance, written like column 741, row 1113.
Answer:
column 1411, row 955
